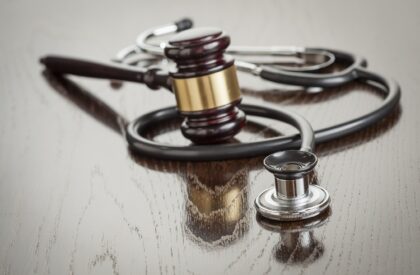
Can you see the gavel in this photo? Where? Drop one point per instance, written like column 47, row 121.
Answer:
column 204, row 82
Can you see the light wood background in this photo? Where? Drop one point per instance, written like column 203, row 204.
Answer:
column 74, row 200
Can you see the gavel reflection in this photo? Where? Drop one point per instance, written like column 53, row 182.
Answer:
column 298, row 244
column 216, row 197
column 217, row 201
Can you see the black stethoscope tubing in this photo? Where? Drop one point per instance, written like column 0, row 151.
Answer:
column 355, row 70
column 139, row 143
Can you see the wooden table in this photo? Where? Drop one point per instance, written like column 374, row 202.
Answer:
column 74, row 200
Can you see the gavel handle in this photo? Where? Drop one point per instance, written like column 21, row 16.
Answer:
column 153, row 78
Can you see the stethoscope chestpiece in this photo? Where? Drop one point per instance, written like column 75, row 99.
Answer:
column 293, row 197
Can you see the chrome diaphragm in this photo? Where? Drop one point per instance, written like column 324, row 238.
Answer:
column 293, row 196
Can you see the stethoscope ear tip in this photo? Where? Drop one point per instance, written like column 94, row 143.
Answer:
column 184, row 24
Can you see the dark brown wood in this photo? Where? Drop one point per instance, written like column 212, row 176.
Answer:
column 75, row 200
column 198, row 52
column 215, row 125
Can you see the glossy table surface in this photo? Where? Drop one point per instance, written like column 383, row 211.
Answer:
column 75, row 200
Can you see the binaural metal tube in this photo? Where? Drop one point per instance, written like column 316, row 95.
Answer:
column 320, row 58
column 141, row 40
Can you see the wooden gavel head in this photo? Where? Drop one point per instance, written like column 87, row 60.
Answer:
column 205, row 85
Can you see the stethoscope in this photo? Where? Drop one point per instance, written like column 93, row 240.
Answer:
column 293, row 196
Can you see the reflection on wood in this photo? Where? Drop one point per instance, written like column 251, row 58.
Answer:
column 298, row 244
column 75, row 200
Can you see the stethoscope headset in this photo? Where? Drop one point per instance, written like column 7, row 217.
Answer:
column 208, row 97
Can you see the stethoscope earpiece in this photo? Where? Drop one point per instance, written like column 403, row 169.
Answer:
column 293, row 197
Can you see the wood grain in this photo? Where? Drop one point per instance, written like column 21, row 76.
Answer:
column 75, row 200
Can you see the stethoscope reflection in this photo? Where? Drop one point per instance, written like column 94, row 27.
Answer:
column 298, row 243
